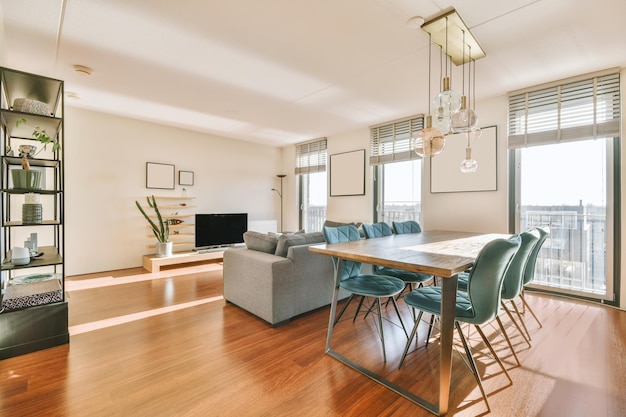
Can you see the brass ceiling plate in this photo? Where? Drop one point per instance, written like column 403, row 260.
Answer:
column 455, row 26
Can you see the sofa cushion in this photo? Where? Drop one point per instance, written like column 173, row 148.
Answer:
column 285, row 241
column 262, row 242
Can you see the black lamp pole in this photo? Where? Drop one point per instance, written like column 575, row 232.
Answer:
column 280, row 194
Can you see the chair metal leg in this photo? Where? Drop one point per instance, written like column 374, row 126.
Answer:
column 472, row 364
column 358, row 308
column 519, row 329
column 408, row 342
column 508, row 341
column 380, row 325
column 343, row 309
column 493, row 352
column 521, row 320
column 395, row 305
column 530, row 309
column 430, row 328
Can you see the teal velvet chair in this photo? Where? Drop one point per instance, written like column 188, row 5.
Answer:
column 408, row 226
column 513, row 282
column 478, row 306
column 349, row 277
column 529, row 272
column 410, row 278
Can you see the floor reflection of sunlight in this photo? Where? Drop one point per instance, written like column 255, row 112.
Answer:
column 114, row 321
column 107, row 281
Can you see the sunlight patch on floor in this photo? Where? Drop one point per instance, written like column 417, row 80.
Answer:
column 114, row 321
column 90, row 283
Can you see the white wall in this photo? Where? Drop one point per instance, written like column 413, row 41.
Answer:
column 484, row 211
column 106, row 159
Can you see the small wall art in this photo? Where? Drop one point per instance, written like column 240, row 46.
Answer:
column 185, row 177
column 347, row 173
column 160, row 176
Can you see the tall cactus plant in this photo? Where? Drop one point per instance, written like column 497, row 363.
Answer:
column 160, row 228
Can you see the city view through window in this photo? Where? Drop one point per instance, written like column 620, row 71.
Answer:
column 564, row 187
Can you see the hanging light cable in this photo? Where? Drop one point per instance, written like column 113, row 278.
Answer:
column 447, row 101
column 429, row 141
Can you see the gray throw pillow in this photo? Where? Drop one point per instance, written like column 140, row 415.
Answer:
column 286, row 241
column 262, row 242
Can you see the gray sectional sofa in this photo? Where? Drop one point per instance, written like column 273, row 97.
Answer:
column 277, row 277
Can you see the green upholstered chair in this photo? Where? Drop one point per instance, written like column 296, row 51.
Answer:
column 408, row 226
column 529, row 272
column 513, row 282
column 479, row 305
column 410, row 278
column 349, row 277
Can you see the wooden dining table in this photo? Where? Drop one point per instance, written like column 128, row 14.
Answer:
column 443, row 254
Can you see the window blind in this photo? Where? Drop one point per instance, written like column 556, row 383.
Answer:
column 584, row 108
column 311, row 156
column 391, row 142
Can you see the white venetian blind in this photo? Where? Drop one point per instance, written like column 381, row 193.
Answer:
column 311, row 156
column 587, row 107
column 391, row 142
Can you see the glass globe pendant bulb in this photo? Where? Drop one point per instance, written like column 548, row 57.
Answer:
column 443, row 124
column 468, row 165
column 446, row 102
column 464, row 119
column 475, row 133
column 428, row 141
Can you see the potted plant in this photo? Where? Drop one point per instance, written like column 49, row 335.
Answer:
column 25, row 178
column 160, row 228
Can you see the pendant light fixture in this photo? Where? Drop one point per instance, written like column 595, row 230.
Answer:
column 429, row 141
column 468, row 165
column 465, row 119
column 452, row 35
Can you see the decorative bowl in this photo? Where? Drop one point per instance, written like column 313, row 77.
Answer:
column 27, row 105
column 27, row 150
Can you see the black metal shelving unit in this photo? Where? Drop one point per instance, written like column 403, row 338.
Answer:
column 34, row 311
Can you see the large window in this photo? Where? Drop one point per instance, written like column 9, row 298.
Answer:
column 311, row 168
column 399, row 194
column 563, row 143
column 397, row 170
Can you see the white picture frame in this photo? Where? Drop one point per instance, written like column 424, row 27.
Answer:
column 160, row 176
column 347, row 173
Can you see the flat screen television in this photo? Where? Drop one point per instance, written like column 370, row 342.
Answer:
column 220, row 229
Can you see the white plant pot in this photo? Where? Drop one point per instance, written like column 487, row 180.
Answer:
column 164, row 249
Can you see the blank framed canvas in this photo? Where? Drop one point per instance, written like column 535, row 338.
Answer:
column 347, row 173
column 445, row 175
column 160, row 176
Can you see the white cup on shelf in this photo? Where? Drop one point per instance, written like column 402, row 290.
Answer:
column 20, row 256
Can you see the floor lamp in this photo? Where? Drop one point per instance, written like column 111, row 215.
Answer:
column 280, row 194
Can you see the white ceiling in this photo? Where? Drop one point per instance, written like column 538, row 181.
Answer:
column 284, row 71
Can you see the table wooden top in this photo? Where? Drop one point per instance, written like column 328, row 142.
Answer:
column 440, row 253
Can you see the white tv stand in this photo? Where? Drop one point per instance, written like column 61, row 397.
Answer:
column 154, row 264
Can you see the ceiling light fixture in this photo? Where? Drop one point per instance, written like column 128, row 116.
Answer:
column 452, row 35
column 83, row 70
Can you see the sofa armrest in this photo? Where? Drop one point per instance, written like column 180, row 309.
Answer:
column 259, row 282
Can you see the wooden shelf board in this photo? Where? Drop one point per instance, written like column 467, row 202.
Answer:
column 154, row 264
column 171, row 197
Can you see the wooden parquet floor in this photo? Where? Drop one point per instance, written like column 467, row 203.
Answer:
column 167, row 344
